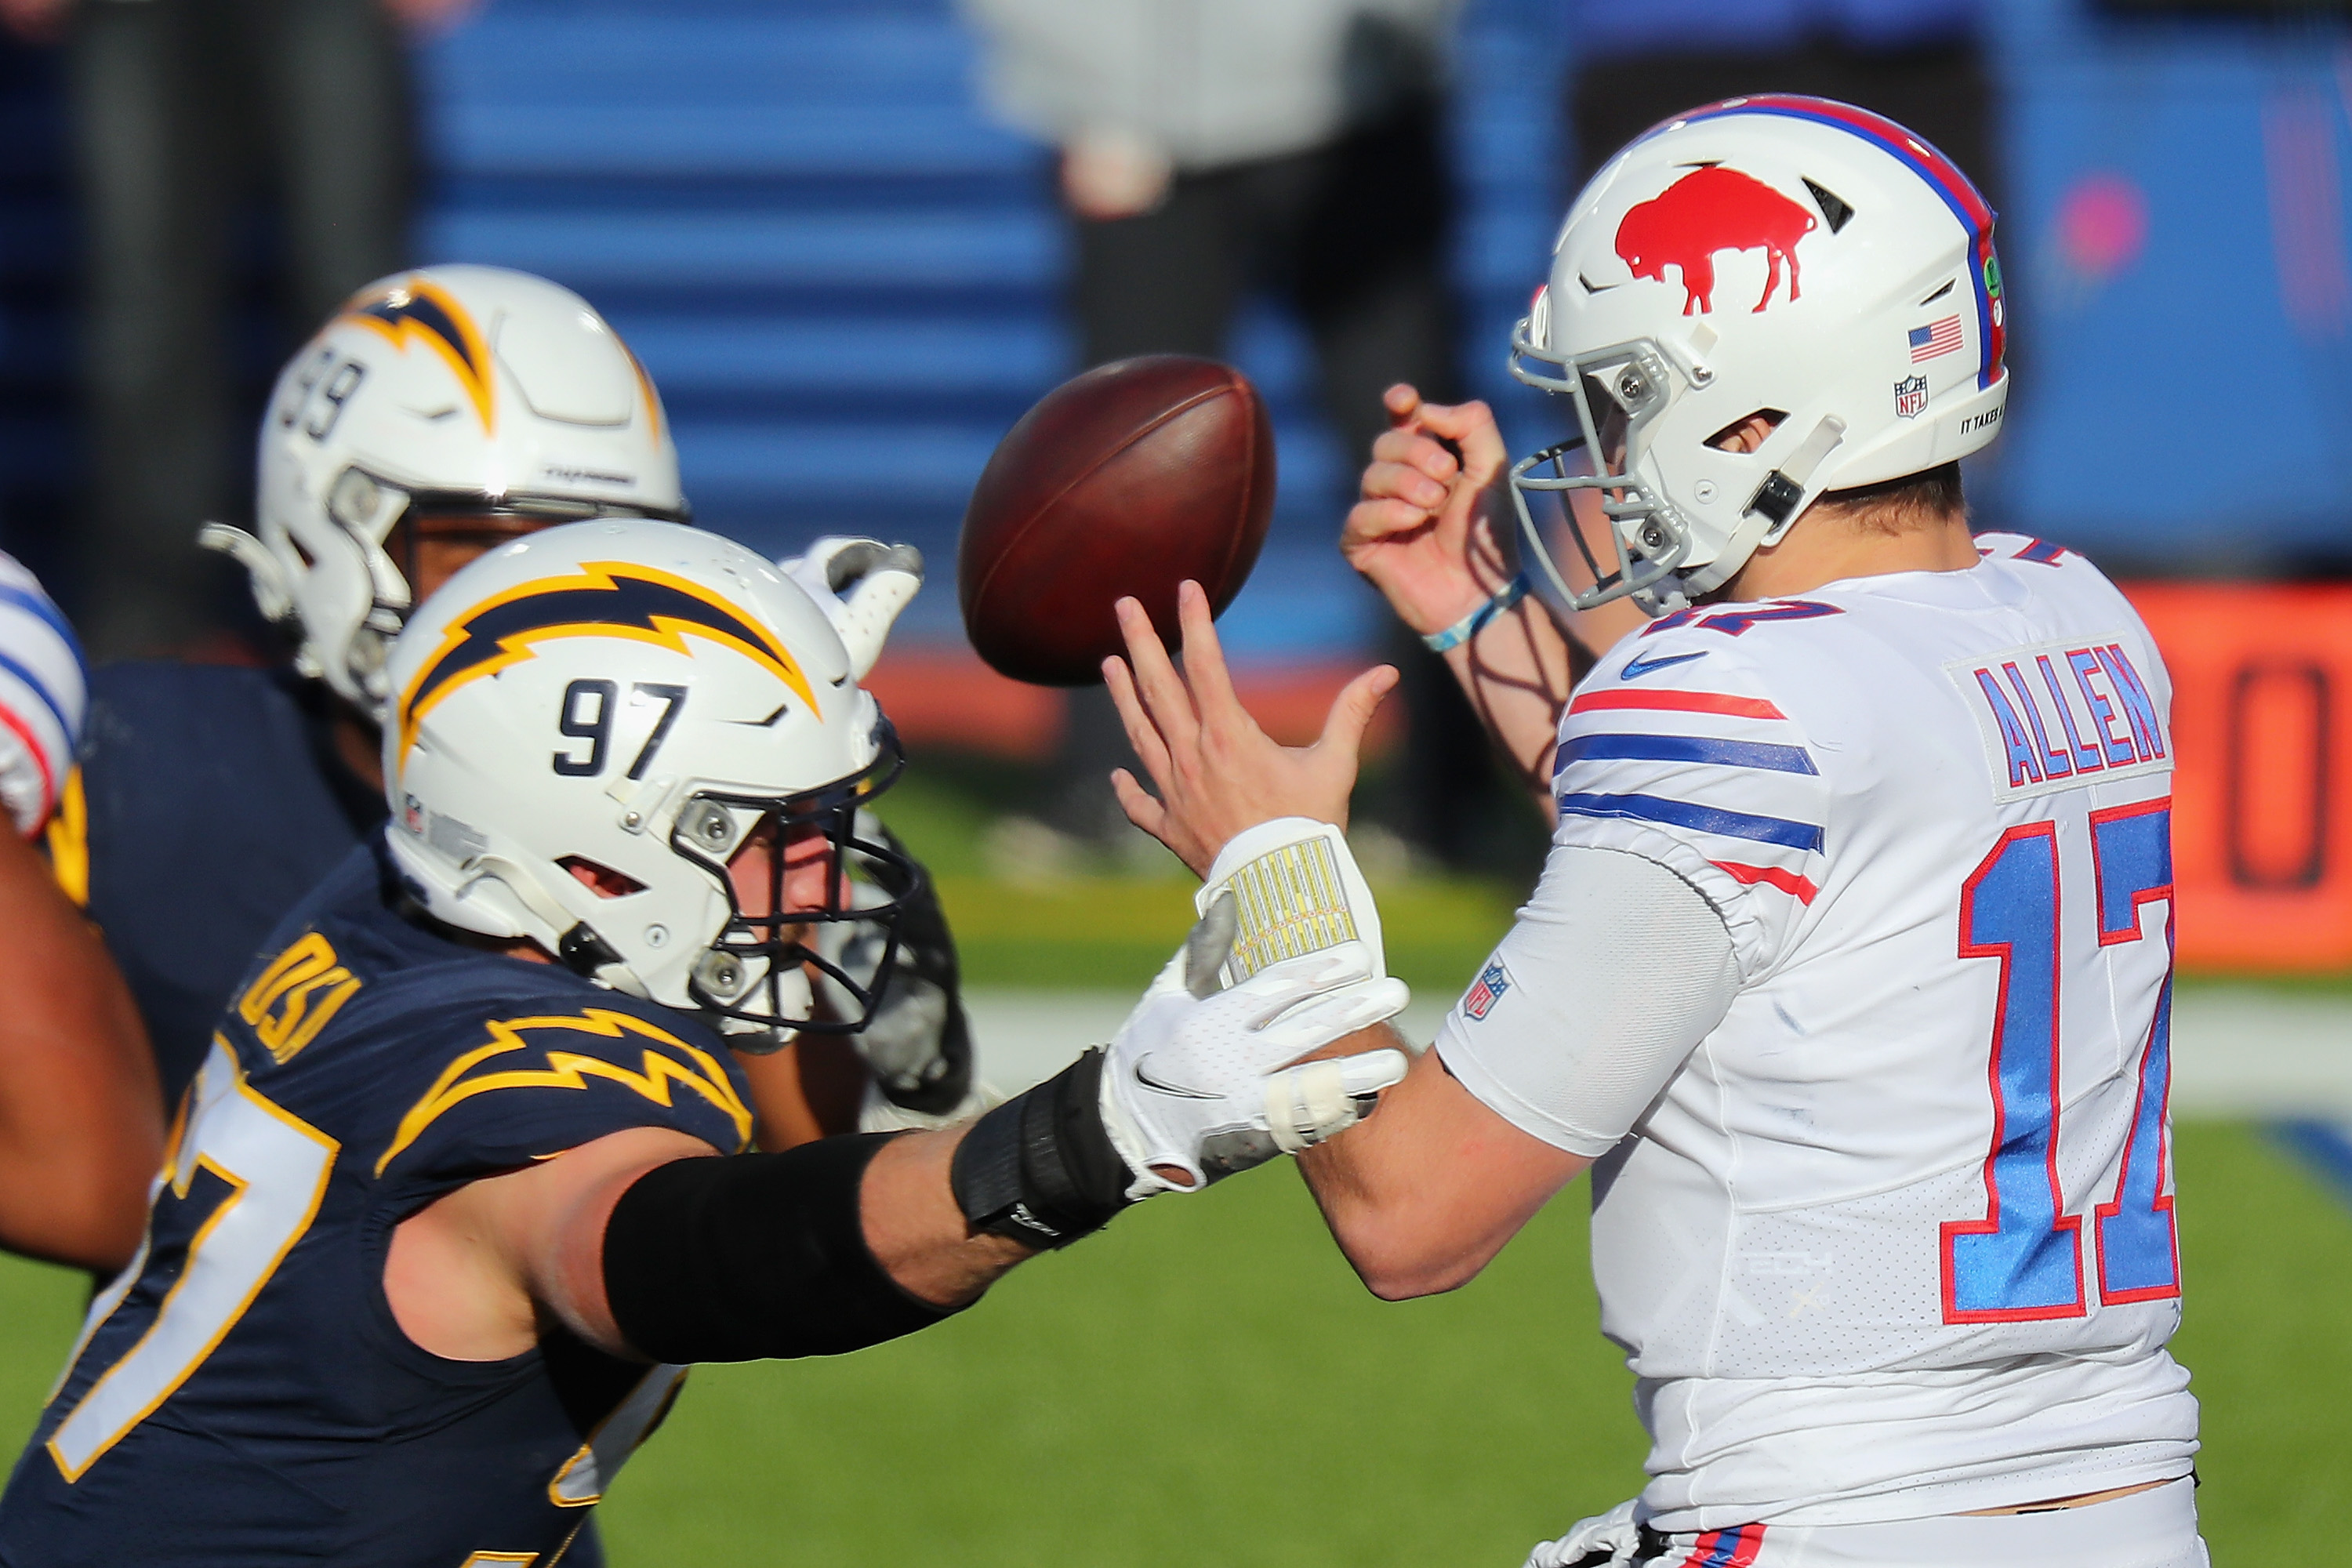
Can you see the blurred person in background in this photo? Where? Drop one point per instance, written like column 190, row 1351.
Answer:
column 180, row 109
column 437, row 414
column 1210, row 149
column 1921, row 62
column 82, row 1128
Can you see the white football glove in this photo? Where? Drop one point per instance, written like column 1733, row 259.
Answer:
column 44, row 697
column 1604, row 1540
column 861, row 584
column 1197, row 1078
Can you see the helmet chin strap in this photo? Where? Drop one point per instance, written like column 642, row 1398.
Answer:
column 1783, row 489
column 1772, row 509
column 577, row 946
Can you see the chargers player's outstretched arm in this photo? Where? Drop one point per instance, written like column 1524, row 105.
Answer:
column 642, row 1245
column 81, row 1128
column 841, row 1242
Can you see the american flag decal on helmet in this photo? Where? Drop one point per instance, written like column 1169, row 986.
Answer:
column 1936, row 340
column 1489, row 990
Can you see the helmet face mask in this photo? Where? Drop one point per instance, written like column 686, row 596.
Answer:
column 755, row 974
column 1786, row 260
column 1618, row 393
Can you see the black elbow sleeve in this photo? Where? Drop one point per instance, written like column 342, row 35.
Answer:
column 751, row 1256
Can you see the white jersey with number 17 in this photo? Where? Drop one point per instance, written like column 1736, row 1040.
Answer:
column 1897, row 1240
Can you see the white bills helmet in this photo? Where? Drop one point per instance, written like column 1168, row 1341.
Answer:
column 448, row 390
column 1792, row 258
column 631, row 701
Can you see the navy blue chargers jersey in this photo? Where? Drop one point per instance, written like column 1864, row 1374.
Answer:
column 209, row 801
column 241, row 1393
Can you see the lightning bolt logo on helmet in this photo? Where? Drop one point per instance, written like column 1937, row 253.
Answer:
column 604, row 599
column 638, row 700
column 416, row 310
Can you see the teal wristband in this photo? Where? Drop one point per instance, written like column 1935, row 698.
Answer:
column 1471, row 625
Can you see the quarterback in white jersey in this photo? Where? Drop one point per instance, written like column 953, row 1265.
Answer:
column 1848, row 975
column 1897, row 1235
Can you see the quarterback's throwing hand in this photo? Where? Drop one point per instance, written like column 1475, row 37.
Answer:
column 1423, row 533
column 1197, row 1086
column 1217, row 773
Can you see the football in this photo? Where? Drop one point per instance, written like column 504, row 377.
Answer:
column 1124, row 481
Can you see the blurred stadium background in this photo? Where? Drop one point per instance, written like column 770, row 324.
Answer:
column 848, row 281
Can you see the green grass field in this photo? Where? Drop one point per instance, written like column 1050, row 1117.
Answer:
column 1206, row 1384
column 1114, row 928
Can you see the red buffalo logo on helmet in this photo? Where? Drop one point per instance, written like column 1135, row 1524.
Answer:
column 1708, row 210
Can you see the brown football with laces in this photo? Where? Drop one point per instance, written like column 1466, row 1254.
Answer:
column 1125, row 481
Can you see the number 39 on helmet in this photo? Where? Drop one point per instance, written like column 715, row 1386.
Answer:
column 447, row 390
column 588, row 725
column 1790, row 257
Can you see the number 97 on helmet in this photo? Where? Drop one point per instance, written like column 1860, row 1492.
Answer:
column 641, row 746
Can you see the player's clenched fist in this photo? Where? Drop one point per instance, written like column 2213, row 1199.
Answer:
column 1423, row 532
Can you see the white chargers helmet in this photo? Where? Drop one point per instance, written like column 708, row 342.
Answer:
column 444, row 391
column 1830, row 272
column 631, row 701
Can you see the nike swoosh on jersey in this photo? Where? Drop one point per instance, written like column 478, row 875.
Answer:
column 1638, row 667
column 1143, row 1076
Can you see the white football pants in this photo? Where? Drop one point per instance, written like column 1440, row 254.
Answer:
column 2154, row 1529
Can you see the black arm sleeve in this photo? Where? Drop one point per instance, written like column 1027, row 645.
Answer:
column 751, row 1256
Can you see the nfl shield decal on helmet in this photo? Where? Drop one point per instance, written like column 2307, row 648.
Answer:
column 1910, row 396
column 1489, row 990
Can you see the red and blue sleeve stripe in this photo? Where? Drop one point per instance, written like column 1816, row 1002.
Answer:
column 1667, row 700
column 41, row 693
column 39, row 607
column 1684, row 748
column 1696, row 818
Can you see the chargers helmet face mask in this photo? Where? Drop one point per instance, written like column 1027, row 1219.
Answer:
column 443, row 392
column 1793, row 258
column 639, row 701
